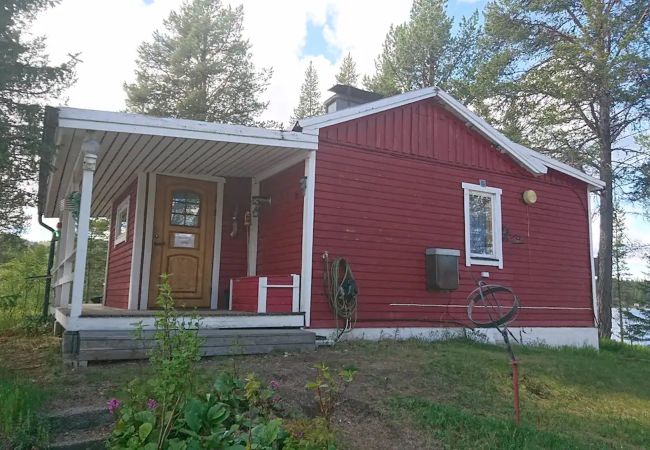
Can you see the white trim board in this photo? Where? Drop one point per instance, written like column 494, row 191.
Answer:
column 495, row 193
column 88, row 119
column 225, row 321
column 592, row 269
column 148, row 243
column 253, row 230
column 551, row 336
column 138, row 237
column 534, row 162
column 307, row 237
column 216, row 251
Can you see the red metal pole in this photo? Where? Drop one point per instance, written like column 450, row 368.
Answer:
column 515, row 389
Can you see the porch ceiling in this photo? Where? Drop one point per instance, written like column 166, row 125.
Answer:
column 132, row 144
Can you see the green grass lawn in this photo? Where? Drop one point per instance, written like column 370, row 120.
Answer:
column 413, row 394
column 570, row 398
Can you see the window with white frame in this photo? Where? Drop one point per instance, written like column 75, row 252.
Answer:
column 121, row 221
column 482, row 225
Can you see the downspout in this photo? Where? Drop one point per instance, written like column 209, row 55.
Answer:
column 50, row 263
column 51, row 119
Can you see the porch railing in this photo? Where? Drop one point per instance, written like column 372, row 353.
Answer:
column 270, row 294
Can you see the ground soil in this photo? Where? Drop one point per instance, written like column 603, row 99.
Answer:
column 363, row 420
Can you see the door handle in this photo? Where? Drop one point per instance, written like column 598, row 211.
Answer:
column 156, row 236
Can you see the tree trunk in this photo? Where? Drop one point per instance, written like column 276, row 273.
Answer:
column 606, row 209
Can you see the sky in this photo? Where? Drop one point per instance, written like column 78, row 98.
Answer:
column 285, row 35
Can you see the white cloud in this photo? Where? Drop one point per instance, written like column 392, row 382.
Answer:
column 108, row 32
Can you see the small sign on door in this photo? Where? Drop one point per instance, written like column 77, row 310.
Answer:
column 184, row 240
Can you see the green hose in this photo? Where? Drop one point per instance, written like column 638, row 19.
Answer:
column 342, row 292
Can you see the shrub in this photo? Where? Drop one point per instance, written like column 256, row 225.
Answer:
column 329, row 388
column 167, row 412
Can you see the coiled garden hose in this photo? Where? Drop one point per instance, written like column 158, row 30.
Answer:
column 342, row 292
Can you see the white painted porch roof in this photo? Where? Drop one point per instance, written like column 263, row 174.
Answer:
column 133, row 143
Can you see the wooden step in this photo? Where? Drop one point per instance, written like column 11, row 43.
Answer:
column 107, row 345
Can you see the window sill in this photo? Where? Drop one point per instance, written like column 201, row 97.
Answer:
column 485, row 262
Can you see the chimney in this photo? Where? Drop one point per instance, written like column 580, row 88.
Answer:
column 348, row 96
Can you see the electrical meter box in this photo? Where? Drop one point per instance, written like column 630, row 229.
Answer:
column 441, row 265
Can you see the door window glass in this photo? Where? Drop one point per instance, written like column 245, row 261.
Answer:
column 186, row 207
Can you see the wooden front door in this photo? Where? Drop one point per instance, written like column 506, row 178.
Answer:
column 183, row 240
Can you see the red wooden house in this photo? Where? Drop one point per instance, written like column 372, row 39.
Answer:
column 240, row 218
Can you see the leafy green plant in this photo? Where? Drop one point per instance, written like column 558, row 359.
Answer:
column 168, row 412
column 172, row 358
column 329, row 388
column 237, row 414
column 309, row 434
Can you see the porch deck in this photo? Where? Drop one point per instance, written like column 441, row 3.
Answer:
column 103, row 333
column 96, row 310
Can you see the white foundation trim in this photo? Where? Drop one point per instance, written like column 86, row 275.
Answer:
column 551, row 336
column 252, row 233
column 138, row 237
column 261, row 294
column 148, row 242
column 308, row 237
column 216, row 252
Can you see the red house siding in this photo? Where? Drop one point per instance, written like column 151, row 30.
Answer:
column 237, row 195
column 279, row 300
column 245, row 294
column 118, row 275
column 279, row 245
column 389, row 185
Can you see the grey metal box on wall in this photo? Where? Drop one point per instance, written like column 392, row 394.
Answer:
column 441, row 266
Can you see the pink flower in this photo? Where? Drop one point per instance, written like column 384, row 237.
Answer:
column 113, row 405
column 152, row 404
column 274, row 384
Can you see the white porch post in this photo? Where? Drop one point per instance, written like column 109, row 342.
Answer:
column 308, row 236
column 88, row 168
column 216, row 250
column 252, row 232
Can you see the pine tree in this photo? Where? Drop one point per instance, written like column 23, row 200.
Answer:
column 572, row 79
column 348, row 72
column 27, row 82
column 309, row 103
column 425, row 52
column 199, row 67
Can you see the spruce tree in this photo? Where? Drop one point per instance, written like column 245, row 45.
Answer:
column 425, row 51
column 199, row 67
column 27, row 81
column 309, row 103
column 348, row 72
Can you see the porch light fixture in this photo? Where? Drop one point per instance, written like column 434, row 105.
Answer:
column 257, row 202
column 303, row 185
